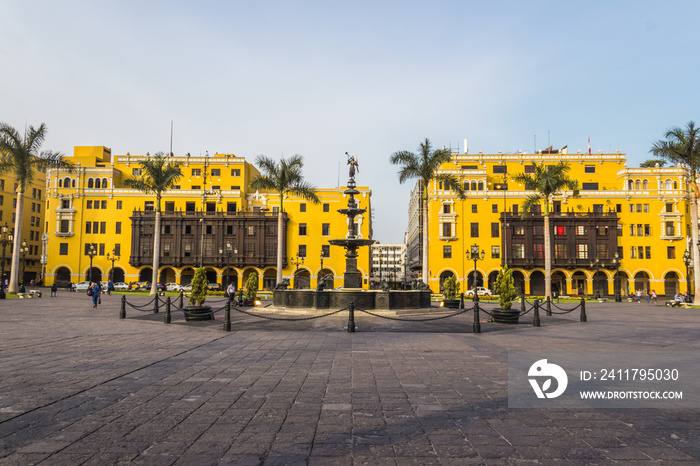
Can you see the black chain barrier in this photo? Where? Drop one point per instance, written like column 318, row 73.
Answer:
column 140, row 307
column 288, row 318
column 414, row 320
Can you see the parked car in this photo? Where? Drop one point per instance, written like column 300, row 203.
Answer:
column 214, row 287
column 186, row 288
column 120, row 286
column 480, row 291
column 82, row 286
column 172, row 287
column 161, row 287
column 141, row 286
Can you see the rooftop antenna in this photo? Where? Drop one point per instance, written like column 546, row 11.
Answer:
column 171, row 138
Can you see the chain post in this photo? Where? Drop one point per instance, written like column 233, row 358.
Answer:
column 549, row 306
column 522, row 303
column 155, row 304
column 477, row 322
column 167, row 311
column 351, row 317
column 583, row 311
column 536, row 317
column 227, row 317
column 182, row 295
column 461, row 300
column 122, row 311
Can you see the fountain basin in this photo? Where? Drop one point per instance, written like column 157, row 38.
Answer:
column 363, row 299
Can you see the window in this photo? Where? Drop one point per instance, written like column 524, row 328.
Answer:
column 581, row 251
column 495, row 252
column 211, row 206
column 519, row 230
column 602, row 230
column 640, row 252
column 646, row 208
column 302, row 229
column 560, row 251
column 619, row 229
column 64, row 226
column 495, row 228
column 149, row 205
column 538, row 230
column 118, row 228
column 446, row 229
column 325, row 250
column 251, row 230
column 209, row 229
column 447, row 252
column 598, row 208
column 88, row 227
column 230, row 207
column 302, row 207
column 236, row 187
column 474, row 230
column 65, row 203
column 639, row 207
column 474, row 209
column 529, row 169
column 515, row 209
column 640, row 229
column 325, row 229
column 196, row 187
column 633, row 230
column 166, row 229
column 631, row 206
column 136, row 172
column 589, row 169
column 189, row 206
column 589, row 186
column 216, row 172
column 494, row 208
column 101, row 249
column 326, row 207
column 119, row 204
column 235, row 172
column 518, row 251
column 87, row 247
column 538, row 250
column 302, row 250
column 669, row 207
column 602, row 251
column 670, row 252
column 647, row 252
column 580, row 230
column 618, row 208
column 445, row 208
column 103, row 228
column 670, row 230
column 560, row 230
column 502, row 169
column 188, row 231
column 229, row 229
column 63, row 249
column 196, row 172
column 88, row 205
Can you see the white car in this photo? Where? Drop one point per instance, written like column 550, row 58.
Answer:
column 480, row 291
column 186, row 288
column 82, row 286
column 120, row 286
column 172, row 287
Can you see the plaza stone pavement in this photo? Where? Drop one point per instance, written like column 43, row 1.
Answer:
column 81, row 386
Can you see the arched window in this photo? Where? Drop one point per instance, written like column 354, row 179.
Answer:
column 481, row 185
column 91, row 183
column 105, row 183
column 60, row 183
column 630, row 185
column 675, row 185
column 669, row 184
column 466, row 185
column 98, row 183
column 72, row 183
column 66, row 183
column 473, row 185
column 645, row 184
column 637, row 185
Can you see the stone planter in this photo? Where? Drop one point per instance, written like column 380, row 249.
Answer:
column 451, row 303
column 195, row 313
column 503, row 316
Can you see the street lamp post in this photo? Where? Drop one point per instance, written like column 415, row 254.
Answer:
column 475, row 256
column 114, row 257
column 687, row 260
column 380, row 267
column 596, row 264
column 23, row 250
column 616, row 264
column 228, row 263
column 299, row 261
column 91, row 253
column 6, row 239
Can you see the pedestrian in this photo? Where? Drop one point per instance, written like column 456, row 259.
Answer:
column 94, row 292
column 54, row 290
column 686, row 297
column 639, row 295
column 110, row 287
column 648, row 296
column 231, row 292
column 653, row 296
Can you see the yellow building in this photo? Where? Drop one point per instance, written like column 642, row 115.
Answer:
column 210, row 218
column 641, row 214
column 32, row 225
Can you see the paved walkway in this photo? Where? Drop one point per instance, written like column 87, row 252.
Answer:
column 80, row 386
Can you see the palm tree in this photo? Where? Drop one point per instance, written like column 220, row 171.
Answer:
column 682, row 145
column 159, row 174
column 425, row 166
column 21, row 156
column 546, row 181
column 285, row 178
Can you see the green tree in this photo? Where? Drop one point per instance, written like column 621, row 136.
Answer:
column 545, row 182
column 451, row 287
column 424, row 166
column 200, row 287
column 284, row 177
column 21, row 155
column 158, row 175
column 651, row 163
column 251, row 286
column 682, row 145
column 505, row 288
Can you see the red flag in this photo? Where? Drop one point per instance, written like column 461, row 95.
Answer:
column 589, row 145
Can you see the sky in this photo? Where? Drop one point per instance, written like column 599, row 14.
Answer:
column 321, row 78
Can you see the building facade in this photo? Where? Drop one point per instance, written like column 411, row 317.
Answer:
column 209, row 219
column 642, row 214
column 389, row 264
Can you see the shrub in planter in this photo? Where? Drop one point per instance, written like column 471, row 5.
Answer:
column 251, row 286
column 451, row 287
column 506, row 293
column 200, row 287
